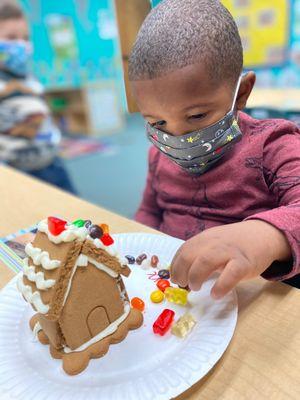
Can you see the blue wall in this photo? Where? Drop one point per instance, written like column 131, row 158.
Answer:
column 92, row 49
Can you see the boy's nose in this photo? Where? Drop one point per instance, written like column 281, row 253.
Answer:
column 176, row 128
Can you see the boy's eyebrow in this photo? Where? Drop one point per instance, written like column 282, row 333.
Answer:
column 198, row 105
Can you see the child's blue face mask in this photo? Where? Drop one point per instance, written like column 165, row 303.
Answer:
column 15, row 56
column 198, row 151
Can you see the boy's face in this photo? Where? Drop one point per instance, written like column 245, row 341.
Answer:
column 186, row 100
column 14, row 29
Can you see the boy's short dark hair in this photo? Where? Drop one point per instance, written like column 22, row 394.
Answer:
column 178, row 33
column 10, row 10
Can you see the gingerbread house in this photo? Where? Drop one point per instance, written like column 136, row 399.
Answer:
column 73, row 279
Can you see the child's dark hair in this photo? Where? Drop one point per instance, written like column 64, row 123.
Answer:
column 178, row 33
column 10, row 10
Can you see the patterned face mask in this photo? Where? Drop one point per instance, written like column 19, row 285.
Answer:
column 15, row 56
column 196, row 152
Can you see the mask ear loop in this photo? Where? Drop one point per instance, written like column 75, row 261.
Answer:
column 236, row 93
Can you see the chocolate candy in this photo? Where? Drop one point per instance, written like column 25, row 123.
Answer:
column 130, row 259
column 164, row 274
column 95, row 232
column 154, row 261
column 87, row 223
column 140, row 258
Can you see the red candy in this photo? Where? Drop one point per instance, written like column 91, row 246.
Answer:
column 56, row 225
column 106, row 239
column 163, row 322
column 162, row 284
column 138, row 304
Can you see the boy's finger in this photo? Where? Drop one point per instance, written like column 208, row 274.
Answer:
column 203, row 267
column 232, row 274
column 179, row 269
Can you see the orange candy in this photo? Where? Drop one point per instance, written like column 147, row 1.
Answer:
column 162, row 284
column 104, row 227
column 137, row 303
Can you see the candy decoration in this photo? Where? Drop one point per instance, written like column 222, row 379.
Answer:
column 137, row 303
column 79, row 223
column 104, row 227
column 95, row 232
column 107, row 240
column 164, row 274
column 163, row 322
column 157, row 296
column 130, row 259
column 154, row 261
column 141, row 258
column 162, row 284
column 176, row 295
column 56, row 225
column 183, row 326
column 87, row 223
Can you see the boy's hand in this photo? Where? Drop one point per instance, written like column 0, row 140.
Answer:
column 239, row 251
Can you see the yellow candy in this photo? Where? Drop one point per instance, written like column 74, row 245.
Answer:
column 183, row 326
column 157, row 296
column 176, row 295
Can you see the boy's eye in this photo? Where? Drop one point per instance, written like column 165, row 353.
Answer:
column 159, row 123
column 197, row 116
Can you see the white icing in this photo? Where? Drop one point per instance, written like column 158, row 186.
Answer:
column 103, row 267
column 41, row 257
column 82, row 261
column 32, row 298
column 37, row 328
column 37, row 277
column 70, row 233
column 106, row 332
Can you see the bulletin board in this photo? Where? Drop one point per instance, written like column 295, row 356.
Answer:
column 75, row 41
column 270, row 31
column 264, row 27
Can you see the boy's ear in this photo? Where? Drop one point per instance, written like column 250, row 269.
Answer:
column 246, row 87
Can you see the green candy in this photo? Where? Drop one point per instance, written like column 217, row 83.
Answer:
column 79, row 222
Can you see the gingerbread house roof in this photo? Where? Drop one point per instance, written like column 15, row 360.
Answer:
column 53, row 259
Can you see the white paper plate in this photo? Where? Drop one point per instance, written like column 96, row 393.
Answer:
column 144, row 366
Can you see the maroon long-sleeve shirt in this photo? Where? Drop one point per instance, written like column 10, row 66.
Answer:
column 258, row 179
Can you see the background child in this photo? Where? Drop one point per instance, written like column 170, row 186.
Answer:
column 226, row 183
column 28, row 138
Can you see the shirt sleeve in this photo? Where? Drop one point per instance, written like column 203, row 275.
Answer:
column 281, row 169
column 149, row 213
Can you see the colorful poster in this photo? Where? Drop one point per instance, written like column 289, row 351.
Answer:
column 264, row 27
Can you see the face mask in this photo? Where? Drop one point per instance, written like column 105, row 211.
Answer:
column 15, row 56
column 198, row 151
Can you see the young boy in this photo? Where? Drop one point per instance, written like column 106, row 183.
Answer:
column 226, row 183
column 28, row 138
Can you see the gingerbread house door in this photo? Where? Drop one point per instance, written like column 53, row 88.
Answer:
column 97, row 320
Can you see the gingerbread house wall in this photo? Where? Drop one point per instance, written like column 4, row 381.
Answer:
column 92, row 304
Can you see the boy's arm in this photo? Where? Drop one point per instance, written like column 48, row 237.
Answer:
column 282, row 174
column 149, row 212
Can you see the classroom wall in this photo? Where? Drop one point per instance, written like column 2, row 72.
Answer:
column 75, row 41
column 270, row 32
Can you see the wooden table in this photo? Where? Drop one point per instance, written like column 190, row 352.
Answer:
column 263, row 359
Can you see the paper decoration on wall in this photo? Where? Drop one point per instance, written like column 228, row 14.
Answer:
column 264, row 29
column 62, row 36
column 107, row 26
